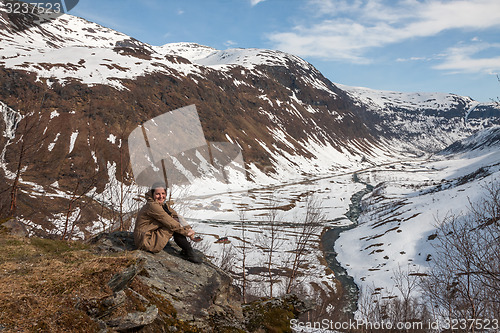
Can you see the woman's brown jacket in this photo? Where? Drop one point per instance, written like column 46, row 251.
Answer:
column 154, row 226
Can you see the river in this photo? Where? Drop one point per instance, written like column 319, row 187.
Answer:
column 350, row 289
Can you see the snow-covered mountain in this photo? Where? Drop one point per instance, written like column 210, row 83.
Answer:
column 423, row 121
column 92, row 85
column 486, row 139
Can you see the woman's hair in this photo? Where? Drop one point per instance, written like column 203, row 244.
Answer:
column 158, row 185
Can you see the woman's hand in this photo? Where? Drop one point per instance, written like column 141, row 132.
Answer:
column 191, row 233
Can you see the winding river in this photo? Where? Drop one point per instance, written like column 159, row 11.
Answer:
column 351, row 290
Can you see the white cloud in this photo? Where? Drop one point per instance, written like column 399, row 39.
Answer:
column 229, row 43
column 255, row 2
column 413, row 59
column 465, row 59
column 346, row 30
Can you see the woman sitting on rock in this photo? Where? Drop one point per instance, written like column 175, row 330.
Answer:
column 156, row 223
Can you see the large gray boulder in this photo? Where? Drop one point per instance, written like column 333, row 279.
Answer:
column 162, row 292
column 201, row 295
column 15, row 227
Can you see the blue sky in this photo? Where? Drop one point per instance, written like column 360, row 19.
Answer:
column 410, row 45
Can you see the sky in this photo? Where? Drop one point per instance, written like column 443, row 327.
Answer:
column 445, row 46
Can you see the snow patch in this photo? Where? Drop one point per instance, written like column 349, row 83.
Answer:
column 53, row 143
column 72, row 141
column 112, row 138
column 54, row 114
column 11, row 119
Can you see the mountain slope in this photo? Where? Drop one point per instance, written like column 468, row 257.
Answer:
column 80, row 89
column 486, row 139
column 398, row 223
column 423, row 121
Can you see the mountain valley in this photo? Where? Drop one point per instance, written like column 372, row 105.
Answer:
column 72, row 91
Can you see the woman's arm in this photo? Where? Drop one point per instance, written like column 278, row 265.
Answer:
column 156, row 212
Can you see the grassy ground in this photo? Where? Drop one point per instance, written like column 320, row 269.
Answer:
column 42, row 282
column 51, row 285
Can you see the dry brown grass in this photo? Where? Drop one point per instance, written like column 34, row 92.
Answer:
column 42, row 282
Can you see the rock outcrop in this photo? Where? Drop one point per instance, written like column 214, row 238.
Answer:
column 164, row 293
column 14, row 227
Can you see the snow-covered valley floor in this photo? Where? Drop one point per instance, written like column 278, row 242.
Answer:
column 398, row 216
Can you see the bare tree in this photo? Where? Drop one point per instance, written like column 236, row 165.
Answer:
column 28, row 142
column 120, row 194
column 125, row 181
column 78, row 200
column 391, row 309
column 270, row 240
column 308, row 228
column 464, row 279
column 497, row 100
column 226, row 258
column 407, row 282
column 82, row 184
column 244, row 252
column 369, row 304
